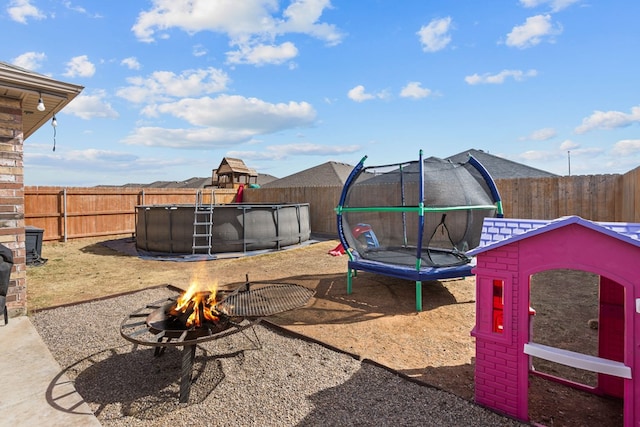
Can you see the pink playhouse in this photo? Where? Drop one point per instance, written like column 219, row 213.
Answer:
column 511, row 251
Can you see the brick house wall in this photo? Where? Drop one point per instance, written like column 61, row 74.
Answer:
column 12, row 201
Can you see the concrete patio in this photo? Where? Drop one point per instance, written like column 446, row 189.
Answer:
column 35, row 389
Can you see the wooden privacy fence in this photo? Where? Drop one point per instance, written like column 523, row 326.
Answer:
column 67, row 213
column 593, row 197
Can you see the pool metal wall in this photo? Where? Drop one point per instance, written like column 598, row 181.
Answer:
column 236, row 227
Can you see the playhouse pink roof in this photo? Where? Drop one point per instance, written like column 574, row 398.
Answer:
column 497, row 232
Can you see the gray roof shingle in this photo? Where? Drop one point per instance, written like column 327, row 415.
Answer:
column 327, row 174
column 500, row 168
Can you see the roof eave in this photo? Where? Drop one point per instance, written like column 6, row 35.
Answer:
column 56, row 94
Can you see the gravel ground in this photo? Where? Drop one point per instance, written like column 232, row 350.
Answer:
column 284, row 381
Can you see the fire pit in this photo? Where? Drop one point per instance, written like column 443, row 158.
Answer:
column 194, row 317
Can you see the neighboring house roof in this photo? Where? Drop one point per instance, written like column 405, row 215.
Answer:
column 326, row 174
column 195, row 182
column 189, row 183
column 29, row 88
column 497, row 232
column 500, row 168
column 264, row 179
column 335, row 173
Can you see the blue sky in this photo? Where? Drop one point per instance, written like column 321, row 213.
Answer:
column 173, row 86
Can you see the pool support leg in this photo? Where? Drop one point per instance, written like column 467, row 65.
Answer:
column 418, row 295
column 349, row 280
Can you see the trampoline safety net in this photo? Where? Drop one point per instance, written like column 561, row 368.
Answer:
column 424, row 213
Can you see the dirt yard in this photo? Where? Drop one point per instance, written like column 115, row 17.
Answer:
column 377, row 321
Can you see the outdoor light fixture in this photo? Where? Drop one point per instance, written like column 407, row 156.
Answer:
column 40, row 106
column 54, row 124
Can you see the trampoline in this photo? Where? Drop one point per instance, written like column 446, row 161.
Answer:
column 415, row 220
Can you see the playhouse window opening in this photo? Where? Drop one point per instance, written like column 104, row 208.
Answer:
column 498, row 306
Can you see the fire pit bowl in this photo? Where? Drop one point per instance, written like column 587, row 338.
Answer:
column 160, row 325
column 160, row 321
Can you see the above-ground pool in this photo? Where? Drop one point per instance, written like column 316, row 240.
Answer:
column 237, row 227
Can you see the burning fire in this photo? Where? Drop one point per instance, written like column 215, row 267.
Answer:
column 197, row 304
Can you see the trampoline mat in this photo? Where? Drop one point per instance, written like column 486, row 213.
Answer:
column 407, row 257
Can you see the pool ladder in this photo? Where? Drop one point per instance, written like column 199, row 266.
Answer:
column 202, row 223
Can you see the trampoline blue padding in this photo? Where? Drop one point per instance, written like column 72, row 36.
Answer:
column 408, row 273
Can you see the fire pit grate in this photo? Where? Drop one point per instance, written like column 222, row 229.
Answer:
column 260, row 299
column 236, row 312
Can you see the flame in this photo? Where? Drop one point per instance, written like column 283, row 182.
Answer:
column 200, row 301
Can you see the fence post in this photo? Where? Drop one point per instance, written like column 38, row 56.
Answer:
column 64, row 214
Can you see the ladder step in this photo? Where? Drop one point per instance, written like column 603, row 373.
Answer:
column 202, row 224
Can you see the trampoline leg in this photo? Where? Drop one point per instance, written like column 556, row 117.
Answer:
column 349, row 278
column 418, row 295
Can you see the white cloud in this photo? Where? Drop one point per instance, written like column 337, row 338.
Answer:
column 282, row 152
column 251, row 25
column 222, row 121
column 541, row 156
column 571, row 156
column 263, row 54
column 131, row 63
column 556, row 5
column 537, row 155
column 93, row 155
column 302, row 17
column 590, row 152
column 568, row 145
column 79, row 9
column 166, row 85
column 532, row 32
column 80, row 66
column 230, row 17
column 626, row 147
column 21, row 10
column 609, row 120
column 91, row 106
column 541, row 134
column 238, row 112
column 517, row 75
column 93, row 160
column 358, row 94
column 435, row 35
column 414, row 90
column 199, row 50
column 29, row 60
column 187, row 138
